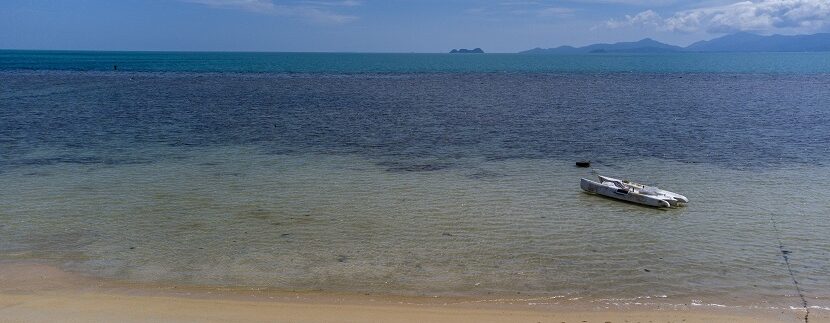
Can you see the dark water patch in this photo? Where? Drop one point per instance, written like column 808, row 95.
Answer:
column 403, row 168
column 484, row 174
column 39, row 174
column 79, row 160
column 227, row 174
column 259, row 214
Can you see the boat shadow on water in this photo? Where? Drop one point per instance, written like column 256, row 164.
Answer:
column 642, row 206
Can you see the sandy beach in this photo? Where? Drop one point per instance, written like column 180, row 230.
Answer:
column 34, row 292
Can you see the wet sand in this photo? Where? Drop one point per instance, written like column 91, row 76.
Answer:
column 36, row 292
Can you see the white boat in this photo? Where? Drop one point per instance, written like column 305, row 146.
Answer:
column 633, row 192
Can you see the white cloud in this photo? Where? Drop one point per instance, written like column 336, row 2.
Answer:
column 322, row 16
column 631, row 2
column 315, row 11
column 760, row 16
column 522, row 8
column 554, row 12
column 250, row 5
column 647, row 18
column 342, row 3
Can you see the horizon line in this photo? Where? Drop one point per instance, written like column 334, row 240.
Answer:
column 230, row 51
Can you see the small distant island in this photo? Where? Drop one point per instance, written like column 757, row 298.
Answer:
column 467, row 51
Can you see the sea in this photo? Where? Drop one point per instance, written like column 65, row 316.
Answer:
column 424, row 174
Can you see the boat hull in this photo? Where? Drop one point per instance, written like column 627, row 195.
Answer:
column 621, row 194
column 675, row 198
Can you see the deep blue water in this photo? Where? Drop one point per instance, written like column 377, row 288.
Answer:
column 422, row 121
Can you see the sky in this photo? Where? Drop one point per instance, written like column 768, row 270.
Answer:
column 388, row 25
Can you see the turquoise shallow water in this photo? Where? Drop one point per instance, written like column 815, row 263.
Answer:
column 423, row 174
column 415, row 63
column 237, row 216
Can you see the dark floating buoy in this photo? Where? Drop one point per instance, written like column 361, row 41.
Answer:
column 583, row 163
column 115, row 67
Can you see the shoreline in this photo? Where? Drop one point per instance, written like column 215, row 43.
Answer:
column 35, row 292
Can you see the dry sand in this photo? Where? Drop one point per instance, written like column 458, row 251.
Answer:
column 32, row 292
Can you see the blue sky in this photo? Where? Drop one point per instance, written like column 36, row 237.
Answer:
column 390, row 25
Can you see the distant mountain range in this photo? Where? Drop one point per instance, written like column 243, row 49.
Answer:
column 739, row 42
